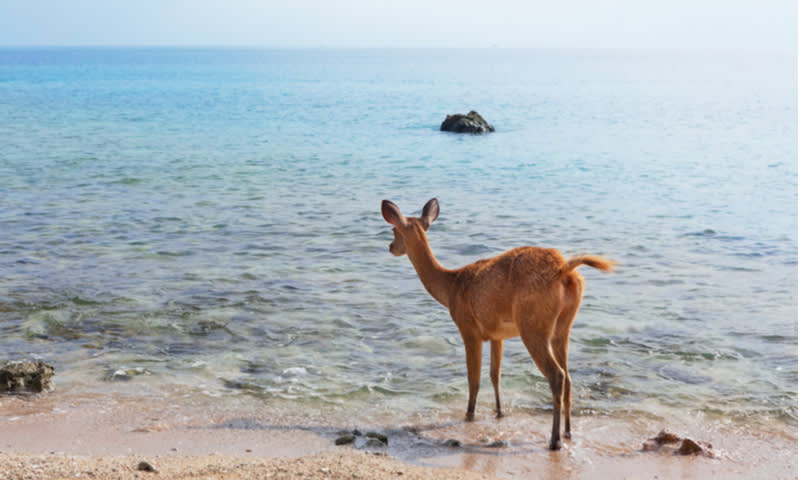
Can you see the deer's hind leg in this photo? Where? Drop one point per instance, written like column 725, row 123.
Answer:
column 494, row 372
column 574, row 294
column 540, row 348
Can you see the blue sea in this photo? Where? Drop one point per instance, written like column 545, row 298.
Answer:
column 205, row 223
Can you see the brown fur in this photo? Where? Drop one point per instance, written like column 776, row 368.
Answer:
column 529, row 292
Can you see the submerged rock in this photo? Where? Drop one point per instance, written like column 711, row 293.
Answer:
column 472, row 122
column 378, row 436
column 345, row 439
column 26, row 376
column 370, row 439
column 373, row 442
column 125, row 374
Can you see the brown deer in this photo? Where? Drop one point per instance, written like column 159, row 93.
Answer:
column 529, row 292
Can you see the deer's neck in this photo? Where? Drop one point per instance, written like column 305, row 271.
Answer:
column 435, row 278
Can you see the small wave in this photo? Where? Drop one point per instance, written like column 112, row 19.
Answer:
column 737, row 268
column 657, row 282
column 128, row 181
column 180, row 253
column 243, row 385
column 684, row 376
column 711, row 233
column 708, row 232
column 779, row 339
column 474, row 249
column 84, row 301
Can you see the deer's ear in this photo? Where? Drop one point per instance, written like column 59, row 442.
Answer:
column 430, row 212
column 391, row 213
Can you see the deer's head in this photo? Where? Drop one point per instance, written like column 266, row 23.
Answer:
column 408, row 230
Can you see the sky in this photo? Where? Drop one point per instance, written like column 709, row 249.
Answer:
column 637, row 24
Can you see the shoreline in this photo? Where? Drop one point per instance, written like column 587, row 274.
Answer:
column 65, row 434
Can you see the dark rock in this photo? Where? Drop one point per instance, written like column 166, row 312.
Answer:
column 498, row 444
column 345, row 439
column 687, row 445
column 26, row 376
column 146, row 467
column 666, row 437
column 373, row 442
column 690, row 447
column 452, row 443
column 378, row 436
column 469, row 123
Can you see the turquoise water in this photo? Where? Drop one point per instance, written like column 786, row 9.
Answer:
column 208, row 221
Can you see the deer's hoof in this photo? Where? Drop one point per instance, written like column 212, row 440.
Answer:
column 555, row 445
column 470, row 417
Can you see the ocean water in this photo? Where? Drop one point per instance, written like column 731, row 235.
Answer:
column 206, row 222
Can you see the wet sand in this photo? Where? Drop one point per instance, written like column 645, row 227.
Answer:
column 72, row 435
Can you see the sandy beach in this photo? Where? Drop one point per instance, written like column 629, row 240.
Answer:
column 71, row 435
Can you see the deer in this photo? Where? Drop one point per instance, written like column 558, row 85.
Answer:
column 528, row 292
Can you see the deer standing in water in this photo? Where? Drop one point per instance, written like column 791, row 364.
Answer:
column 528, row 292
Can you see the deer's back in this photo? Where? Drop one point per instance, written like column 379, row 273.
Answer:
column 530, row 266
column 494, row 287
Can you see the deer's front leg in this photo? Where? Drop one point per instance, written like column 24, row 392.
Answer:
column 474, row 348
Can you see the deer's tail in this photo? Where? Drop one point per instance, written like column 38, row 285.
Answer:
column 594, row 261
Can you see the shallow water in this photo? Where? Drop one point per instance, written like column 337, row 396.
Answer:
column 207, row 221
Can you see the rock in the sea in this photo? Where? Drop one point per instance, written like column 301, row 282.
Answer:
column 26, row 376
column 469, row 123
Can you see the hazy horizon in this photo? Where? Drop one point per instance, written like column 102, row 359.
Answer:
column 578, row 24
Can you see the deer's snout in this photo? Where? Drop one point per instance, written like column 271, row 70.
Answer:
column 394, row 250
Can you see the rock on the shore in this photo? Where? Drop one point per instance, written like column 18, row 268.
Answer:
column 146, row 467
column 26, row 376
column 687, row 445
column 469, row 123
column 498, row 444
column 690, row 447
